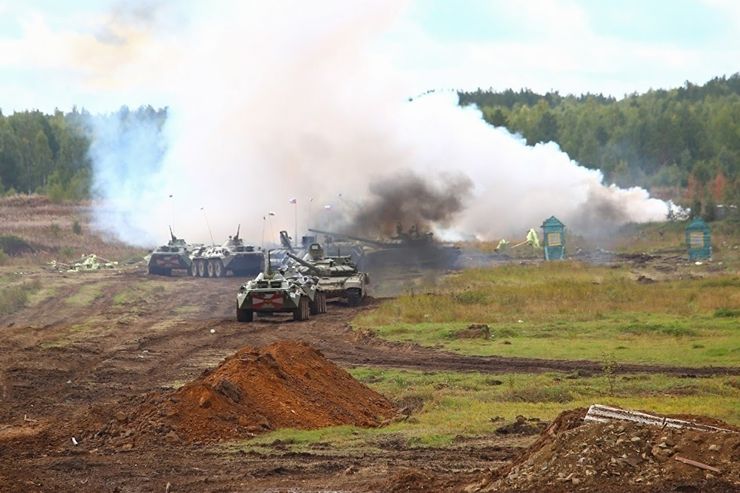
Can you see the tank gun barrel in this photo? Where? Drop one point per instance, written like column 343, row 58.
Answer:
column 285, row 241
column 350, row 237
column 305, row 264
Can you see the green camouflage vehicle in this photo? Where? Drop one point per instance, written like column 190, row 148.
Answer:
column 233, row 256
column 275, row 292
column 175, row 255
column 338, row 276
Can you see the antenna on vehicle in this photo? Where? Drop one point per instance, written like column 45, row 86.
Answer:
column 208, row 225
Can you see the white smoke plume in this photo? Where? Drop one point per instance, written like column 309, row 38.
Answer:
column 271, row 101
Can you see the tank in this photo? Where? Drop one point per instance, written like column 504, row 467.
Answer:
column 280, row 291
column 232, row 257
column 175, row 255
column 278, row 256
column 410, row 249
column 338, row 276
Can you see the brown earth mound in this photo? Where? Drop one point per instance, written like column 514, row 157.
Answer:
column 571, row 455
column 474, row 331
column 522, row 426
column 285, row 385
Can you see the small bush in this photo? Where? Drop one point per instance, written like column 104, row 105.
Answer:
column 471, row 298
column 76, row 228
column 669, row 330
column 13, row 298
column 13, row 245
column 505, row 332
column 55, row 230
column 726, row 313
column 67, row 252
column 3, row 257
column 678, row 331
column 56, row 193
column 609, row 366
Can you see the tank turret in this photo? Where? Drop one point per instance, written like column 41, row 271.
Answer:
column 338, row 277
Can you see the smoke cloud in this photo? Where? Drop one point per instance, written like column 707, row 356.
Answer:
column 407, row 200
column 280, row 100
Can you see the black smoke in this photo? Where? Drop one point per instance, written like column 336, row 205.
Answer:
column 406, row 201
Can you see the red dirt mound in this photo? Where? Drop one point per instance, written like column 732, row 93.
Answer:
column 571, row 455
column 284, row 385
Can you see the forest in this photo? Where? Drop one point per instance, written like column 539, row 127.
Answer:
column 682, row 143
column 685, row 141
column 50, row 154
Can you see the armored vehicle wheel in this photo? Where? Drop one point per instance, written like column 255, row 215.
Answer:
column 354, row 297
column 202, row 271
column 303, row 310
column 316, row 305
column 218, row 268
column 154, row 271
column 244, row 315
column 193, row 270
column 319, row 303
column 166, row 272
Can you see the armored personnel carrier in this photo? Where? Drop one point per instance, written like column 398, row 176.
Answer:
column 280, row 291
column 338, row 276
column 233, row 256
column 175, row 255
column 410, row 249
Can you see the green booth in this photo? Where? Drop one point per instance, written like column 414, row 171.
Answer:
column 699, row 240
column 554, row 239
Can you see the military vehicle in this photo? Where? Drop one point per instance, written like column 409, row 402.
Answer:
column 410, row 248
column 338, row 276
column 175, row 255
column 279, row 257
column 280, row 291
column 233, row 256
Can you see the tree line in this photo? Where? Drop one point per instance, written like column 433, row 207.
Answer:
column 49, row 153
column 687, row 138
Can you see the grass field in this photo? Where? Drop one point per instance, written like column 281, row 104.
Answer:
column 561, row 310
column 571, row 310
column 463, row 404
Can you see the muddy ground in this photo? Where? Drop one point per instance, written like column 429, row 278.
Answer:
column 104, row 337
column 89, row 342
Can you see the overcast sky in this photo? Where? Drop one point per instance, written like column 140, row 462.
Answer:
column 52, row 53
